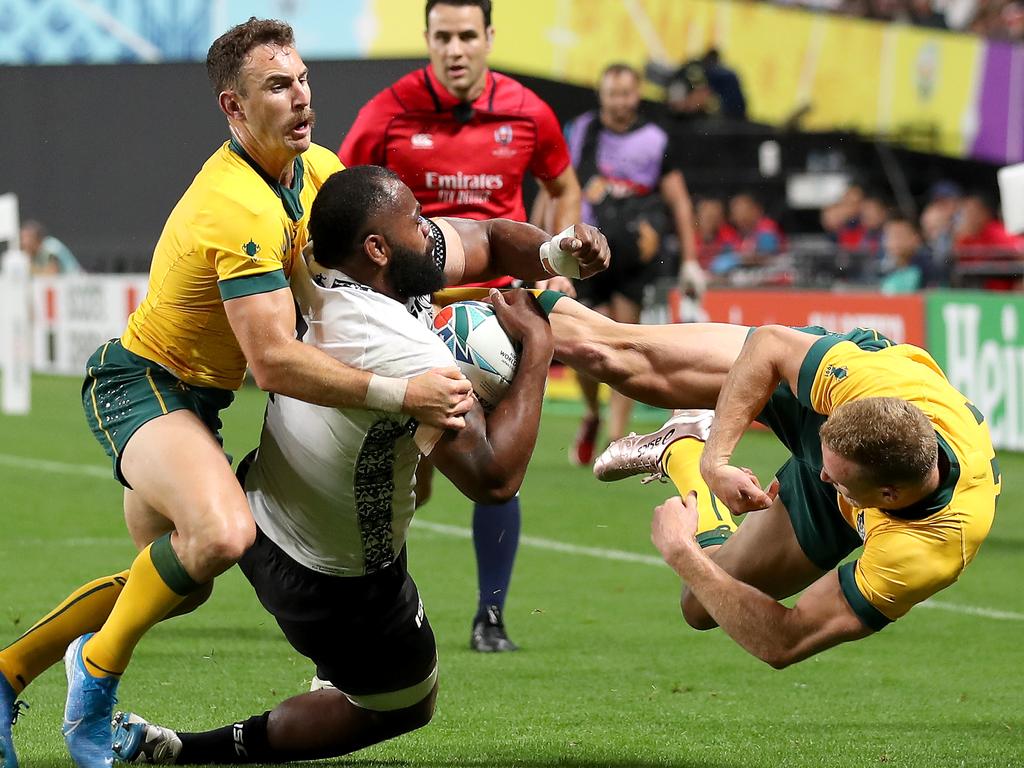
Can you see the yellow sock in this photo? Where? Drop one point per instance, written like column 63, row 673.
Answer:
column 156, row 584
column 682, row 464
column 43, row 645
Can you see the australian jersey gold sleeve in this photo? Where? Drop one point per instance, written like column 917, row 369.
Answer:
column 235, row 232
column 912, row 553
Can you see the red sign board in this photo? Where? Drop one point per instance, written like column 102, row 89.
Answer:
column 901, row 318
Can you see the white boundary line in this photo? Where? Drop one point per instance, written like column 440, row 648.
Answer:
column 535, row 542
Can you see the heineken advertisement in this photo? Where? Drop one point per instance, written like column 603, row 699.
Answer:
column 978, row 339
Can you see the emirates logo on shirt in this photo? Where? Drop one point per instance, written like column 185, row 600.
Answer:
column 422, row 141
column 503, row 134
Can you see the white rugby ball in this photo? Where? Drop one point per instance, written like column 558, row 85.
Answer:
column 481, row 348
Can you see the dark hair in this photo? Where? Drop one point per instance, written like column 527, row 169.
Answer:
column 483, row 5
column 344, row 206
column 620, row 68
column 228, row 53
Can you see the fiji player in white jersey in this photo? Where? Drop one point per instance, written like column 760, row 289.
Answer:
column 332, row 490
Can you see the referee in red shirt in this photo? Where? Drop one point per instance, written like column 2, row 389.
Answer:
column 462, row 137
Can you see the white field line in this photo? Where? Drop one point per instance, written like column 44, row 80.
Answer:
column 460, row 532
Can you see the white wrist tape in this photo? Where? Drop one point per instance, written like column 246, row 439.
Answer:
column 556, row 261
column 385, row 394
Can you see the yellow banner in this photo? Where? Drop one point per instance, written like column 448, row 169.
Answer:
column 847, row 73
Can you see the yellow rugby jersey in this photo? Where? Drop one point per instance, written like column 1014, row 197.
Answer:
column 235, row 232
column 904, row 560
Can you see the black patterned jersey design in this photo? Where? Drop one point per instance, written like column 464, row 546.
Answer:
column 374, row 485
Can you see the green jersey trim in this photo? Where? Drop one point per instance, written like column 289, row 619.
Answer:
column 809, row 367
column 866, row 612
column 250, row 285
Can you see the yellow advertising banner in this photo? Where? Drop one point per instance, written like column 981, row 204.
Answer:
column 916, row 84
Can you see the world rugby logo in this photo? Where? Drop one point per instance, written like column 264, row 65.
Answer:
column 503, row 135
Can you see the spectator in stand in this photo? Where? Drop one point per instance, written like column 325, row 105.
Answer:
column 726, row 85
column 715, row 236
column 632, row 191
column 979, row 234
column 939, row 221
column 874, row 213
column 759, row 235
column 49, row 255
column 689, row 96
column 923, row 14
column 907, row 261
column 841, row 220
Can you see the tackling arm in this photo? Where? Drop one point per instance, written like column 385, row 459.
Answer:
column 779, row 636
column 264, row 326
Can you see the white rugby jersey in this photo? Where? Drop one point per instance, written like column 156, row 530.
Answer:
column 333, row 487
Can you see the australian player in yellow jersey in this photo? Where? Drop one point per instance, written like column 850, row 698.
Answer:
column 885, row 454
column 218, row 301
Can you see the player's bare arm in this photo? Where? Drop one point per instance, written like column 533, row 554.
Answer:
column 773, row 353
column 498, row 247
column 487, row 460
column 263, row 324
column 779, row 636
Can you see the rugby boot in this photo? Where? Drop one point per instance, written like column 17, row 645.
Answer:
column 489, row 634
column 87, row 713
column 639, row 454
column 10, row 708
column 581, row 452
column 136, row 740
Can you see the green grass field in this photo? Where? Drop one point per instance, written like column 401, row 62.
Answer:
column 609, row 675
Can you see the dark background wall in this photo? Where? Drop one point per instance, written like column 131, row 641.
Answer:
column 100, row 154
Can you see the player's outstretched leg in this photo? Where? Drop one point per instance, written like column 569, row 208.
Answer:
column 675, row 451
column 90, row 704
column 306, row 727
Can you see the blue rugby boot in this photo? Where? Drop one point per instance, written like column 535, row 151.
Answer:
column 88, row 710
column 10, row 708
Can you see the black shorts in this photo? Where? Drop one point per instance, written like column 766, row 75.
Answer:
column 367, row 635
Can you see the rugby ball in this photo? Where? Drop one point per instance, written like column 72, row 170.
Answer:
column 481, row 348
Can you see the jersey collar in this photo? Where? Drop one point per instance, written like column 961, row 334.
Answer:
column 444, row 101
column 938, row 499
column 290, row 197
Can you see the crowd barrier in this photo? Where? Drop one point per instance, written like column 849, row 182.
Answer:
column 977, row 337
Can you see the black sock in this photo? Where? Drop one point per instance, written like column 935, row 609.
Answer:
column 244, row 742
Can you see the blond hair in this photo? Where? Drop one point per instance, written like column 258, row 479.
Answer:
column 892, row 439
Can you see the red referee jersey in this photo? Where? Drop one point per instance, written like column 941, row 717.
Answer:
column 473, row 169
